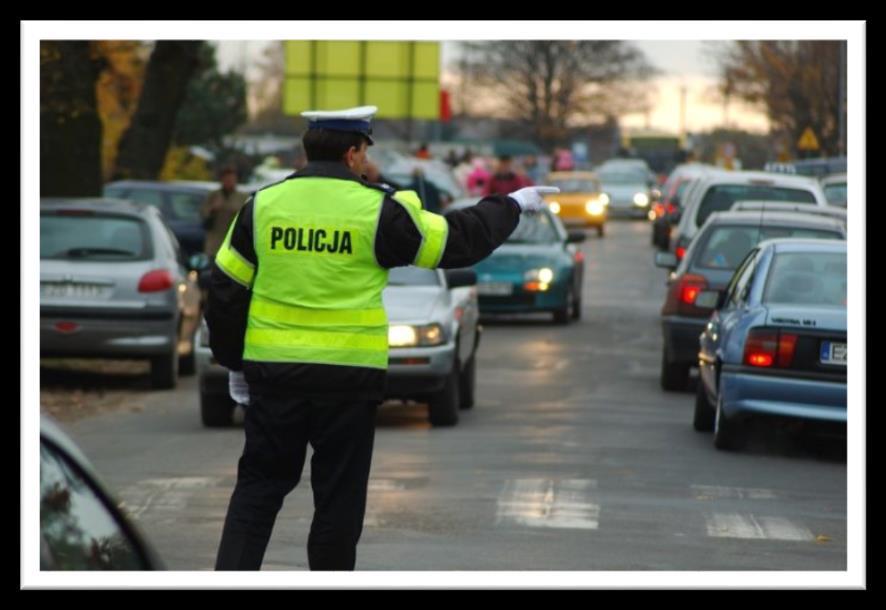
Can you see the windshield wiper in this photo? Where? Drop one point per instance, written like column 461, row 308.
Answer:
column 78, row 252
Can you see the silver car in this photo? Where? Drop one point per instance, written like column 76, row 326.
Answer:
column 629, row 187
column 114, row 284
column 433, row 335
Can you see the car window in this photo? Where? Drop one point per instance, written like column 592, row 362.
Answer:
column 622, row 177
column 534, row 229
column 93, row 237
column 836, row 194
column 807, row 278
column 726, row 246
column 721, row 197
column 185, row 206
column 740, row 279
column 413, row 276
column 78, row 530
column 148, row 196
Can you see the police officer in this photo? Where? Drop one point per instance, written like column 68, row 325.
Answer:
column 296, row 304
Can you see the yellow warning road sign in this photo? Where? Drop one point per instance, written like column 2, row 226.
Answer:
column 808, row 141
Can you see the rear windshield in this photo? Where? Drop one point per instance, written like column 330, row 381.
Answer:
column 836, row 194
column 181, row 206
column 413, row 276
column 93, row 237
column 721, row 197
column 728, row 245
column 807, row 278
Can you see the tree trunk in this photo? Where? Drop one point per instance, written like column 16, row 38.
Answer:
column 143, row 147
column 70, row 127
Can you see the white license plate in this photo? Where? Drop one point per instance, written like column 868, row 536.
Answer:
column 833, row 353
column 76, row 291
column 495, row 288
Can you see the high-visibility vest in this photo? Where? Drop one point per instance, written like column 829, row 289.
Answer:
column 317, row 287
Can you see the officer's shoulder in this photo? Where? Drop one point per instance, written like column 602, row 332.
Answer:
column 384, row 188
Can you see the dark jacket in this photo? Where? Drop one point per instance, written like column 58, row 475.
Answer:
column 473, row 234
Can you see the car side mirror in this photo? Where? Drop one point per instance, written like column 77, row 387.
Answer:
column 575, row 237
column 666, row 260
column 198, row 262
column 457, row 278
column 710, row 299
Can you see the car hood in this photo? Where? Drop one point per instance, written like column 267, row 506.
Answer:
column 412, row 303
column 807, row 317
column 520, row 257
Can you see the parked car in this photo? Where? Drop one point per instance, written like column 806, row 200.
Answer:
column 717, row 251
column 835, row 189
column 178, row 200
column 114, row 283
column 718, row 191
column 666, row 212
column 581, row 200
column 433, row 336
column 81, row 525
column 538, row 269
column 437, row 173
column 776, row 343
column 628, row 187
column 815, row 168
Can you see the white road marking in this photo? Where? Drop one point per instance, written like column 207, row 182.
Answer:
column 740, row 493
column 563, row 504
column 734, row 525
column 169, row 494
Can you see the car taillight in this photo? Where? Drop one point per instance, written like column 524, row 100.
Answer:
column 156, row 281
column 671, row 209
column 765, row 348
column 579, row 257
column 690, row 286
column 681, row 252
column 682, row 295
column 658, row 209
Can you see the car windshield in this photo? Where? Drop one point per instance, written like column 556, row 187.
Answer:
column 728, row 245
column 93, row 237
column 807, row 278
column 575, row 185
column 534, row 229
column 721, row 197
column 622, row 177
column 836, row 194
column 413, row 276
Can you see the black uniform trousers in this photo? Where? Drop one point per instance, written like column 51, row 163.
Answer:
column 278, row 429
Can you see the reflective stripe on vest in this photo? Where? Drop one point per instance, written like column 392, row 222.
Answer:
column 232, row 262
column 316, row 297
column 433, row 228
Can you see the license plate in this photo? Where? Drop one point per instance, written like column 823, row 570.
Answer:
column 495, row 288
column 833, row 353
column 74, row 291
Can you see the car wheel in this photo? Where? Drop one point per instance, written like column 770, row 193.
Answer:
column 728, row 434
column 703, row 420
column 216, row 410
column 561, row 316
column 187, row 365
column 576, row 309
column 467, row 384
column 164, row 372
column 674, row 375
column 443, row 406
column 600, row 231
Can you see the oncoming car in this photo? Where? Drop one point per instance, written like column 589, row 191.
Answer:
column 581, row 200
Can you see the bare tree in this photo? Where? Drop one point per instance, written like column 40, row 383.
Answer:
column 797, row 82
column 551, row 83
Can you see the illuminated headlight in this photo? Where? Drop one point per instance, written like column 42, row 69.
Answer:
column 415, row 336
column 604, row 199
column 543, row 275
column 641, row 199
column 595, row 207
column 555, row 207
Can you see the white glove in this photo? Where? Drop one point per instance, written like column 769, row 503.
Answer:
column 530, row 198
column 238, row 388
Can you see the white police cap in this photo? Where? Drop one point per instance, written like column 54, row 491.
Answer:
column 351, row 119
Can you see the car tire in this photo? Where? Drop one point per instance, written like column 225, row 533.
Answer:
column 600, row 231
column 576, row 309
column 729, row 435
column 216, row 410
column 467, row 384
column 674, row 375
column 164, row 372
column 187, row 365
column 703, row 421
column 562, row 316
column 443, row 405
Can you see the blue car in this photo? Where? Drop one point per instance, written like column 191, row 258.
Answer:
column 538, row 269
column 776, row 343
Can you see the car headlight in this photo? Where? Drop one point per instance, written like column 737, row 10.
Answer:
column 538, row 280
column 405, row 335
column 594, row 207
column 555, row 207
column 604, row 199
column 641, row 199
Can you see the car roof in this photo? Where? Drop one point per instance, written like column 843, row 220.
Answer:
column 96, row 204
column 802, row 244
column 798, row 219
column 168, row 185
column 830, row 178
column 749, row 177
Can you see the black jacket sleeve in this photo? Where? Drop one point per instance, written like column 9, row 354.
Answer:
column 474, row 233
column 227, row 306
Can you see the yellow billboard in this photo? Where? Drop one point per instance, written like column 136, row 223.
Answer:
column 401, row 78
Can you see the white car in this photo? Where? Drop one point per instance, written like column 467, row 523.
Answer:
column 719, row 190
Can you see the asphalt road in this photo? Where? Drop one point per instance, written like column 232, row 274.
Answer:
column 572, row 459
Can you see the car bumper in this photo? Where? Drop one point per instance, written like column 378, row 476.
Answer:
column 628, row 211
column 122, row 338
column 746, row 394
column 681, row 338
column 418, row 371
column 582, row 220
column 521, row 301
